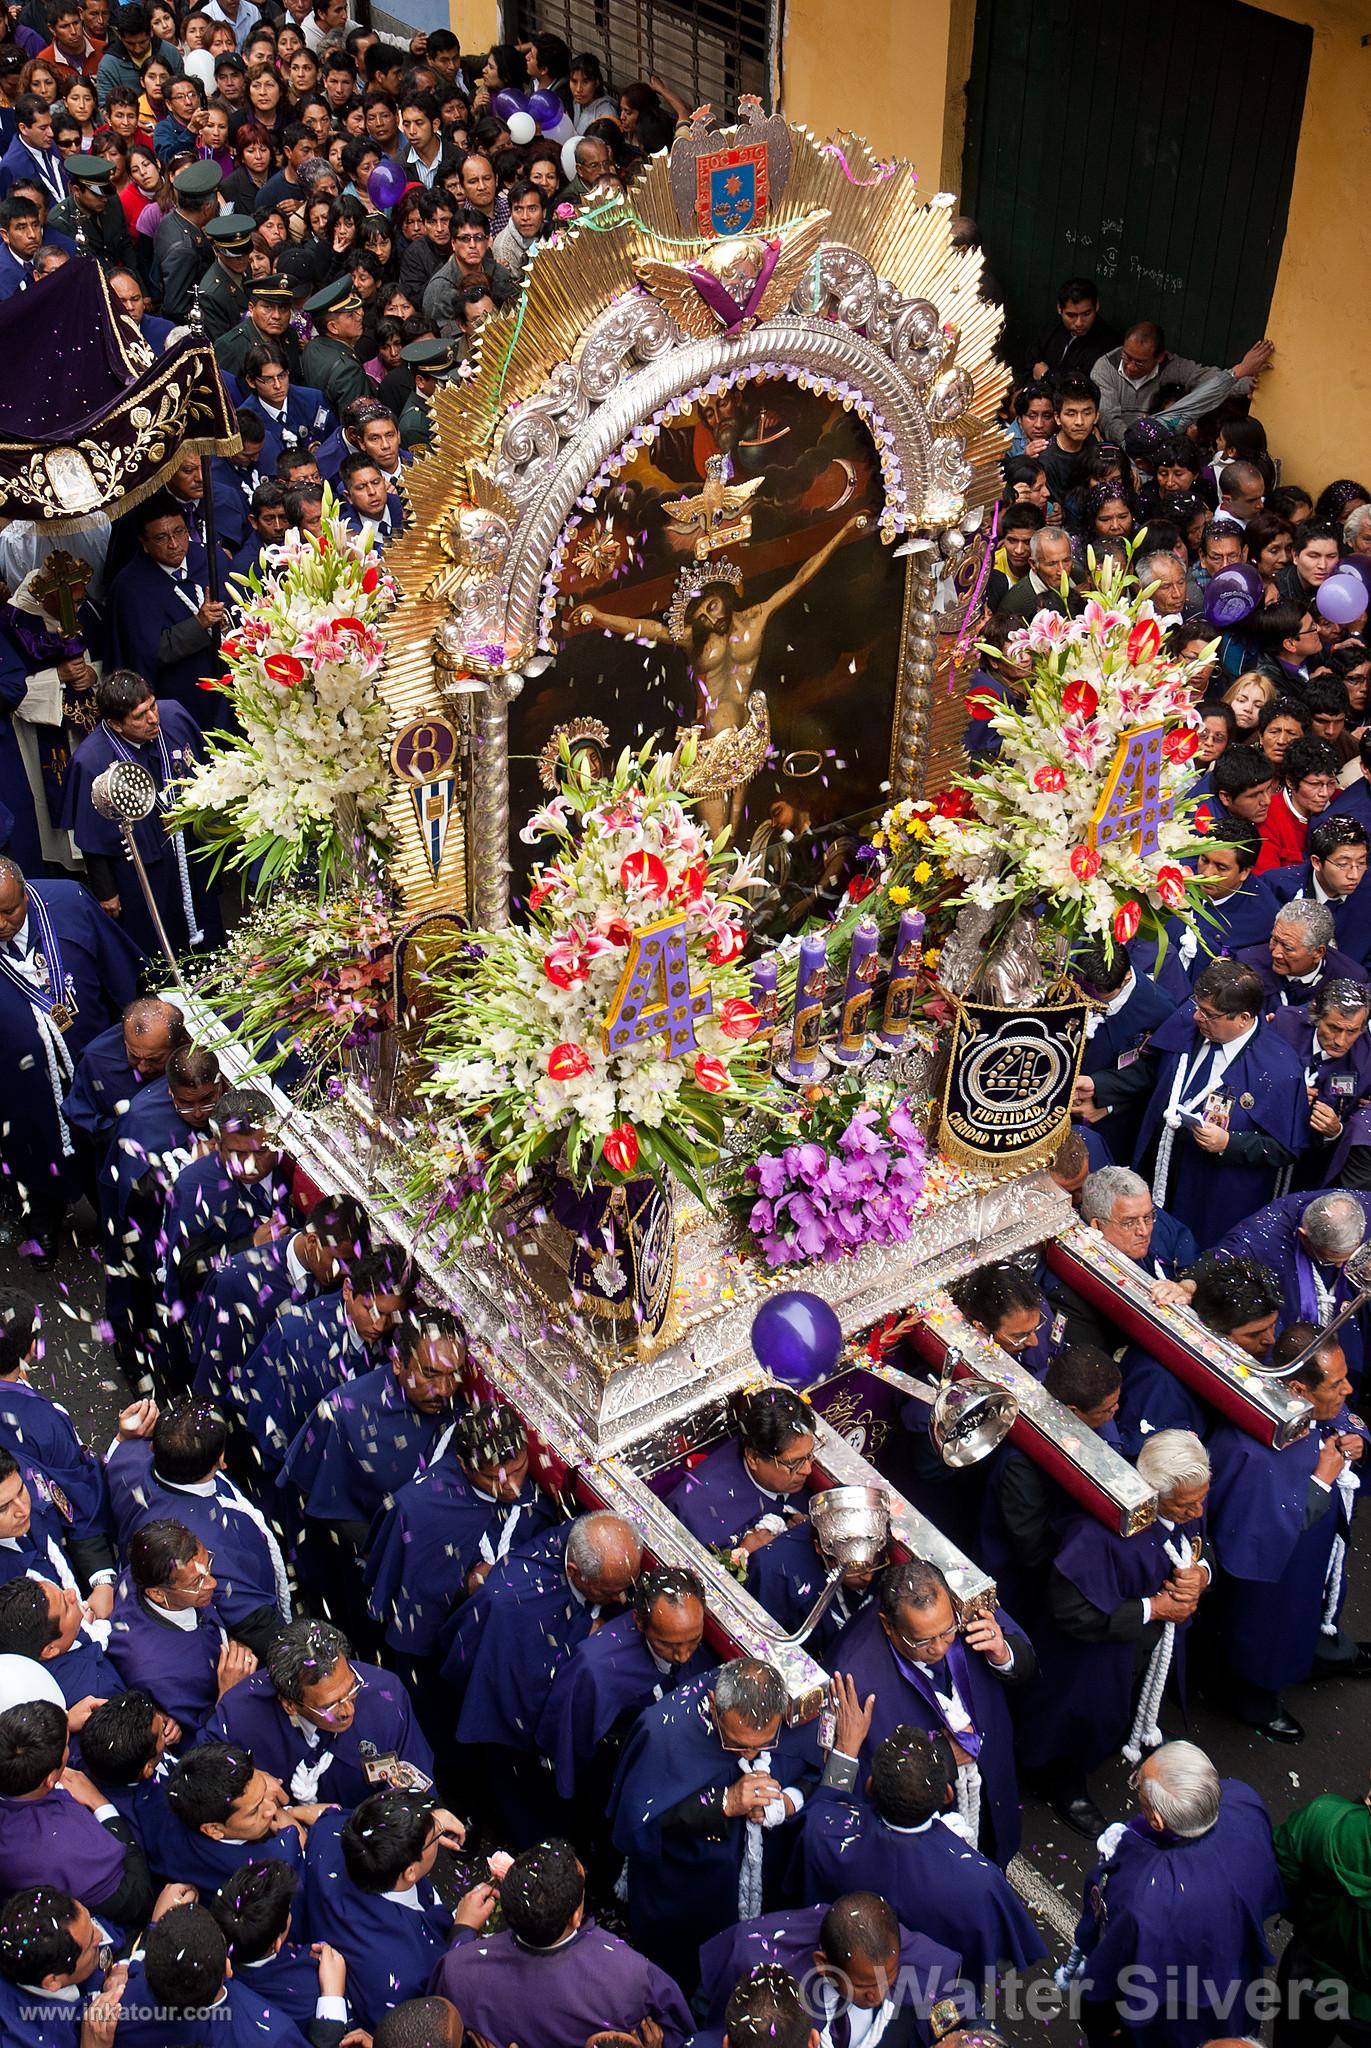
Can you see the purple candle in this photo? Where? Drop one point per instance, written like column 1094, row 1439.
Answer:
column 764, row 1002
column 811, row 986
column 899, row 990
column 862, row 968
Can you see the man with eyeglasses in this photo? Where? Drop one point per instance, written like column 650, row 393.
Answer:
column 470, row 263
column 709, row 1786
column 168, row 1638
column 1118, row 1204
column 930, row 1667
column 162, row 614
column 327, row 1726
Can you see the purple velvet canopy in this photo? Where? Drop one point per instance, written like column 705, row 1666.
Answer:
column 90, row 418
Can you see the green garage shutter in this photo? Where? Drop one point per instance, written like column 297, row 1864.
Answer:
column 1152, row 149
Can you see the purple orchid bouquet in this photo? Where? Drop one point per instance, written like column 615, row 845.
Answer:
column 852, row 1177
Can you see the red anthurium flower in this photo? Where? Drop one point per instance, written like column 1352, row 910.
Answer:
column 1180, row 744
column 981, row 704
column 1171, row 887
column 738, row 1018
column 230, row 648
column 711, row 1074
column 721, row 947
column 691, row 886
column 953, row 803
column 858, row 887
column 348, row 626
column 371, row 576
column 539, row 893
column 1050, row 780
column 1203, row 821
column 284, row 669
column 564, row 970
column 621, row 1149
column 566, row 1062
column 1079, row 700
column 643, row 871
column 1127, row 918
column 1144, row 641
column 1085, row 863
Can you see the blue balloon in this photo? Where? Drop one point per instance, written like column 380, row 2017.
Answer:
column 1233, row 595
column 387, row 185
column 796, row 1337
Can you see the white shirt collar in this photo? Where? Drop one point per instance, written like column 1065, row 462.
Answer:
column 409, row 1898
column 185, row 1618
column 297, row 1271
column 21, row 937
column 1116, row 1002
column 69, row 1994
column 203, row 1489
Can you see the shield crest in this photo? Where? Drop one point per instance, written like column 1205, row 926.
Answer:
column 731, row 187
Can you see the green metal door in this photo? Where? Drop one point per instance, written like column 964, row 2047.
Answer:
column 1151, row 149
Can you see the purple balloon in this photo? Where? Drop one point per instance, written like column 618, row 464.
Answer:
column 1232, row 595
column 387, row 184
column 1360, row 567
column 508, row 102
column 546, row 109
column 796, row 1337
column 1342, row 598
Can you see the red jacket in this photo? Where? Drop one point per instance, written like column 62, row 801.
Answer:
column 1285, row 836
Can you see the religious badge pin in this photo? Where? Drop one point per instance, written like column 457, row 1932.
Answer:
column 52, row 1496
column 1246, row 1101
column 1126, row 1059
column 395, row 1771
column 1343, row 1084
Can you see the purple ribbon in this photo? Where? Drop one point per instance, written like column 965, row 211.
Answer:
column 918, row 1677
column 720, row 299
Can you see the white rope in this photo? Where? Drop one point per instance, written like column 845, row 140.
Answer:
column 1145, row 1732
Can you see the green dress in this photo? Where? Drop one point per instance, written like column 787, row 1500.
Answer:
column 1324, row 1852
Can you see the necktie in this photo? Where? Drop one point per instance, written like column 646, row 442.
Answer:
column 15, row 950
column 1203, row 1060
column 942, row 1683
column 839, row 2028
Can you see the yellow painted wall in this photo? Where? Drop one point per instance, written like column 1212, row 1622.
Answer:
column 907, row 96
column 475, row 23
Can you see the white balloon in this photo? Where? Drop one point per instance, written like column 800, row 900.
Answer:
column 522, row 128
column 23, row 1679
column 561, row 131
column 569, row 157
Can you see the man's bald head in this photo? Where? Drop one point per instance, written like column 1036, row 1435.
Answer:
column 603, row 1555
column 152, row 1032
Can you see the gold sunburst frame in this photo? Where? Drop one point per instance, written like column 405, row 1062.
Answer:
column 862, row 297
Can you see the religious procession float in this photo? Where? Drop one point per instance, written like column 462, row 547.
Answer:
column 626, row 934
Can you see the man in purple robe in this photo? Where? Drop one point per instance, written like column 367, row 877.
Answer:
column 896, row 1838
column 54, row 1820
column 120, row 1061
column 160, row 1132
column 1228, row 1109
column 1236, row 1297
column 167, row 1637
column 162, row 618
column 39, row 1431
column 66, row 972
column 787, row 1576
column 180, row 1477
column 1299, row 957
column 218, row 1205
column 1281, row 1520
column 1334, row 873
column 747, row 1489
column 370, row 1435
column 611, row 1675
column 444, row 1532
column 551, row 1976
column 853, row 1958
column 1170, row 1949
column 216, row 1811
column 369, row 1892
column 313, row 1346
column 53, row 1956
column 163, row 739
column 1306, row 1241
column 326, row 1725
column 47, row 1622
column 929, row 1668
column 33, row 1534
column 708, row 1789
column 1329, row 1037
column 508, row 1642
column 256, row 1910
column 1118, row 1034
column 243, row 1296
column 1118, row 1609
column 181, row 1989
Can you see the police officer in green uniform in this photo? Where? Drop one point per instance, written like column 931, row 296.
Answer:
column 267, row 318
column 181, row 246
column 433, row 363
column 224, row 287
column 91, row 214
column 330, row 361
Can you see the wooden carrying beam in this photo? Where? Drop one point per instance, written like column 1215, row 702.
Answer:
column 1207, row 1363
column 1080, row 1462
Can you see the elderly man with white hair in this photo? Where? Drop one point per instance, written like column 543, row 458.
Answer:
column 1118, row 1609
column 1300, row 956
column 1171, row 1948
column 1306, row 1241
